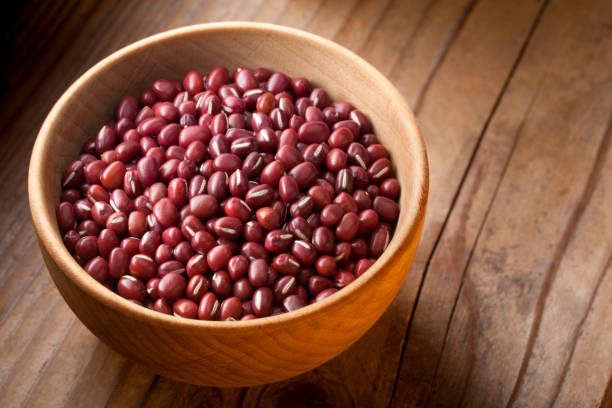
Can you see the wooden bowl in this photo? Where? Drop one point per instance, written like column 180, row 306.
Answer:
column 242, row 353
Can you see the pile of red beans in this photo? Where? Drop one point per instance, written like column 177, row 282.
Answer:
column 229, row 196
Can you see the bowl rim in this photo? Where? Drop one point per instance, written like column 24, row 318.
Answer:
column 51, row 242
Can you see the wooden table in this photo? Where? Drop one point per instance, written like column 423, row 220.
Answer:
column 509, row 300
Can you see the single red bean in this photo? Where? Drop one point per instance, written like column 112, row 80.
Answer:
column 97, row 268
column 193, row 133
column 106, row 139
column 130, row 244
column 362, row 199
column 252, row 231
column 300, row 228
column 177, row 191
column 349, row 124
column 373, row 190
column 293, row 302
column 147, row 170
column 218, row 77
column 300, row 86
column 162, row 306
column 112, row 176
column 316, row 154
column 313, row 132
column 278, row 241
column 193, row 82
column 259, row 196
column 171, row 286
column 209, row 307
column 163, row 253
column 268, row 218
column 286, row 264
column 118, row 263
column 379, row 239
column 331, row 214
column 347, row 202
column 390, row 188
column 326, row 265
column 127, row 108
column 304, row 252
column 320, row 197
column 347, row 227
column 169, row 169
column 359, row 249
column 362, row 266
column 253, row 164
column 221, row 284
column 228, row 227
column 202, row 242
column 218, row 257
column 88, row 228
column 342, row 278
column 272, row 173
column 285, row 286
column 107, row 241
column 380, row 170
column 278, row 82
column 258, row 272
column 164, row 89
column 100, row 212
column 324, row 294
column 131, row 288
column 263, row 300
column 237, row 267
column 142, row 266
column 93, row 171
column 242, row 289
column 70, row 195
column 319, row 97
column 65, row 216
column 386, row 208
column 165, row 212
column 316, row 284
column 323, row 240
column 149, row 243
column 305, row 174
column 153, row 288
column 218, row 185
column 336, row 159
column 185, row 308
column 312, row 113
column 303, row 207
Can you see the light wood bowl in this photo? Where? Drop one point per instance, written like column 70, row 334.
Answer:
column 243, row 353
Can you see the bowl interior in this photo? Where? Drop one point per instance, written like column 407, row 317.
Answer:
column 91, row 101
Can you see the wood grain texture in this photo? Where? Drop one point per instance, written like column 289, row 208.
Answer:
column 571, row 366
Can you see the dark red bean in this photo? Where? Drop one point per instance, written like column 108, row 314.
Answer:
column 359, row 249
column 386, row 208
column 362, row 199
column 218, row 257
column 106, row 139
column 171, row 266
column 362, row 266
column 100, row 212
column 313, row 132
column 259, row 196
column 70, row 239
column 65, row 216
column 163, row 253
column 147, row 170
column 221, row 283
column 209, row 307
column 278, row 241
column 326, row 265
column 131, row 288
column 323, row 240
column 162, row 306
column 218, row 77
column 107, row 241
column 379, row 239
column 242, row 289
column 278, row 82
column 112, row 176
column 263, row 301
column 142, row 266
column 185, row 308
column 258, row 272
column 268, row 218
column 196, row 265
column 316, row 154
column 171, row 286
column 253, row 250
column 300, row 86
column 312, row 113
column 218, row 185
column 253, row 164
column 347, row 227
column 316, row 284
column 304, row 252
column 390, row 188
column 305, row 174
column 153, row 288
column 342, row 252
column 342, row 278
column 324, row 294
column 166, row 212
column 193, row 82
column 331, row 215
column 237, row 208
column 285, row 286
column 191, row 134
column 88, row 228
column 130, row 244
column 302, row 207
column 118, row 263
column 349, row 124
column 202, row 241
column 319, row 98
column 293, row 302
column 347, row 202
column 228, row 227
column 253, row 232
column 286, row 264
column 97, row 268
column 380, row 170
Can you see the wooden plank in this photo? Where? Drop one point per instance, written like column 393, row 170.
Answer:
column 516, row 263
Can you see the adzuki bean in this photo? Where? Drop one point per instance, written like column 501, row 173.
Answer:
column 229, row 196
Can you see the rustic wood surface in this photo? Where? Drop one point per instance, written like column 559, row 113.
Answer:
column 509, row 299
